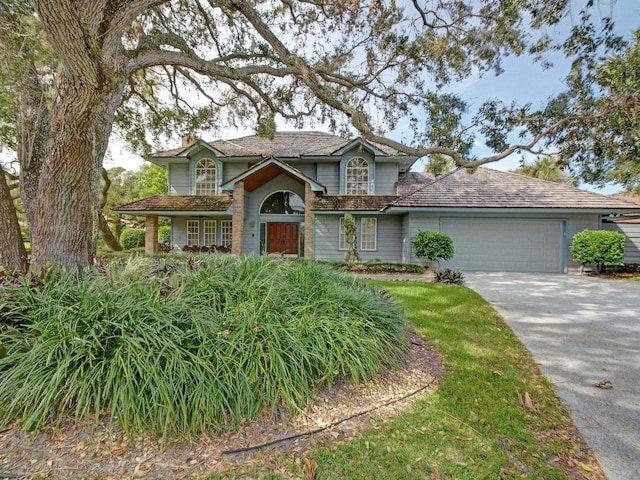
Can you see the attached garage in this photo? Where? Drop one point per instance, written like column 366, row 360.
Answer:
column 507, row 245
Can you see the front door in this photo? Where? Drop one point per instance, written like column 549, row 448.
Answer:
column 282, row 238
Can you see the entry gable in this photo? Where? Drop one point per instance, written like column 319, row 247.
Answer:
column 267, row 170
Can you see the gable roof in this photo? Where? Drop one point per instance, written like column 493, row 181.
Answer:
column 488, row 188
column 267, row 170
column 290, row 144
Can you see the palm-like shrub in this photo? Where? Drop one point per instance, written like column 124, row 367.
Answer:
column 183, row 347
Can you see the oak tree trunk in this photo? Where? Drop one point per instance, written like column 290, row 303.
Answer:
column 13, row 255
column 64, row 228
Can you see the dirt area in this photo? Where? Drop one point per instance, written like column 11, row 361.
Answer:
column 76, row 451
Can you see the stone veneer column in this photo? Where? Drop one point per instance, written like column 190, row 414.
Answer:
column 237, row 224
column 309, row 195
column 151, row 234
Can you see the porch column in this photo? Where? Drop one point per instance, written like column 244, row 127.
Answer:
column 237, row 223
column 151, row 234
column 309, row 195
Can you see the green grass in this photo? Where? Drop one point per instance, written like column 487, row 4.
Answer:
column 473, row 425
column 181, row 347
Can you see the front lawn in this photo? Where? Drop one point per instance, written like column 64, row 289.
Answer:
column 493, row 416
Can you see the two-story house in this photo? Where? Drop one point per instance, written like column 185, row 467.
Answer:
column 289, row 195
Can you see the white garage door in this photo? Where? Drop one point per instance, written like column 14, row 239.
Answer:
column 506, row 245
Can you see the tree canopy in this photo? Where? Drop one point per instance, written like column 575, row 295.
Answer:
column 75, row 69
column 547, row 168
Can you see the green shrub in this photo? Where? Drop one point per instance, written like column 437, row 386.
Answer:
column 132, row 238
column 432, row 246
column 449, row 275
column 375, row 267
column 599, row 247
column 164, row 234
column 183, row 346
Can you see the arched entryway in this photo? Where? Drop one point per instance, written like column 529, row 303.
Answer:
column 281, row 216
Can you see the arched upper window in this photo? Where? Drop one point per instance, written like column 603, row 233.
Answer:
column 283, row 203
column 357, row 182
column 206, row 177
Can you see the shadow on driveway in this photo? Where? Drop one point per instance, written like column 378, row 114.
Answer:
column 581, row 331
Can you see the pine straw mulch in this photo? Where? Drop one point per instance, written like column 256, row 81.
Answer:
column 338, row 414
column 74, row 450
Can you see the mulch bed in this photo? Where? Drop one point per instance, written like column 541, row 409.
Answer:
column 75, row 450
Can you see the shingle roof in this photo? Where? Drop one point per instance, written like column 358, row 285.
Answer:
column 488, row 188
column 173, row 203
column 335, row 203
column 284, row 144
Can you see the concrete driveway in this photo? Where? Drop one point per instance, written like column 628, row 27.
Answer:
column 581, row 331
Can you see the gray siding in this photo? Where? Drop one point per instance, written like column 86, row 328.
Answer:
column 389, row 248
column 632, row 245
column 309, row 169
column 230, row 170
column 179, row 179
column 386, row 178
column 329, row 176
column 178, row 232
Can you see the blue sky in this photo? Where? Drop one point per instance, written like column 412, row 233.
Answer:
column 522, row 80
column 525, row 81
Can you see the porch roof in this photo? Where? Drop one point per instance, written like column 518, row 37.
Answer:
column 159, row 204
column 346, row 203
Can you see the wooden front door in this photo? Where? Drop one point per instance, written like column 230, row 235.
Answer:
column 282, row 238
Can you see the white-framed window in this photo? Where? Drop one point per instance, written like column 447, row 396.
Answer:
column 357, row 177
column 209, row 233
column 193, row 233
column 368, row 233
column 342, row 238
column 206, row 177
column 226, row 232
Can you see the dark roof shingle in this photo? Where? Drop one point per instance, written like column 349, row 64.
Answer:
column 343, row 203
column 488, row 188
column 176, row 203
column 291, row 144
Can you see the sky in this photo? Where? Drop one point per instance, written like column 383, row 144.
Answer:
column 522, row 80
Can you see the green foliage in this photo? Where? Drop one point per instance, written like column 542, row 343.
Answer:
column 132, row 238
column 432, row 246
column 547, row 168
column 375, row 267
column 164, row 234
column 448, row 275
column 152, row 180
column 599, row 247
column 436, row 165
column 181, row 347
column 605, row 91
column 351, row 239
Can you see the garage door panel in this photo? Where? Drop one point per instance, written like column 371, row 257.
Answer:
column 506, row 245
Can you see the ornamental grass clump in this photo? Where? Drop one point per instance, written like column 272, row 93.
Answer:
column 178, row 347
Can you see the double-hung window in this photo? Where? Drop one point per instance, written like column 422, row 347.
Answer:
column 226, row 232
column 368, row 233
column 193, row 233
column 206, row 177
